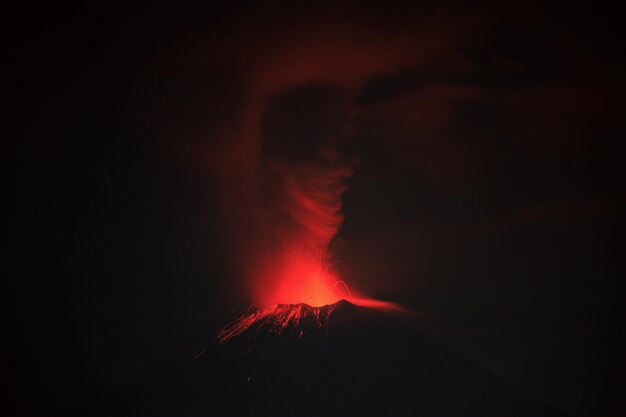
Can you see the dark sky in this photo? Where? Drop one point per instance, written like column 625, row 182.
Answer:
column 488, row 193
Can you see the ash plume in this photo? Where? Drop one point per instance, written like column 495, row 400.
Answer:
column 304, row 166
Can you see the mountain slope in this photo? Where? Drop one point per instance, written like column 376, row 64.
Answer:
column 336, row 360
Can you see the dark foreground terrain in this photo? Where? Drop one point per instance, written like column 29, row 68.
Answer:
column 339, row 360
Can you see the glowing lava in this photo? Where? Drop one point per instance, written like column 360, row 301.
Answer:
column 295, row 319
column 277, row 319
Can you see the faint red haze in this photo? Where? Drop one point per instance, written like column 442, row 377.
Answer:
column 282, row 214
column 286, row 213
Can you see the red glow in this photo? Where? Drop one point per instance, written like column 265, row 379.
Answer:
column 378, row 304
column 303, row 217
column 298, row 276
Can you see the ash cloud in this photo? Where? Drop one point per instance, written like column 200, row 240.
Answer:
column 292, row 207
column 306, row 161
column 440, row 102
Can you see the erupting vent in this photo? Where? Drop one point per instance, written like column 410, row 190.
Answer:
column 279, row 318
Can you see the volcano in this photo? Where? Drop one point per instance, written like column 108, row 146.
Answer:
column 280, row 319
column 334, row 360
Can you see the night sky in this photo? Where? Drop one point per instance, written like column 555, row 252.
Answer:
column 487, row 194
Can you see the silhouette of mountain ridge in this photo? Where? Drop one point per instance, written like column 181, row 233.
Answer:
column 335, row 360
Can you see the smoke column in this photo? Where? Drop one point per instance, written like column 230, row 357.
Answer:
column 286, row 160
column 304, row 168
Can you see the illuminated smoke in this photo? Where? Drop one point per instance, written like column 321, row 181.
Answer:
column 304, row 171
column 287, row 208
column 285, row 161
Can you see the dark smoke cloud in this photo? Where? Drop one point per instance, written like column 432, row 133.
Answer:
column 286, row 165
column 437, row 99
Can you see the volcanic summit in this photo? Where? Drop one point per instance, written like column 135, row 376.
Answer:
column 335, row 360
